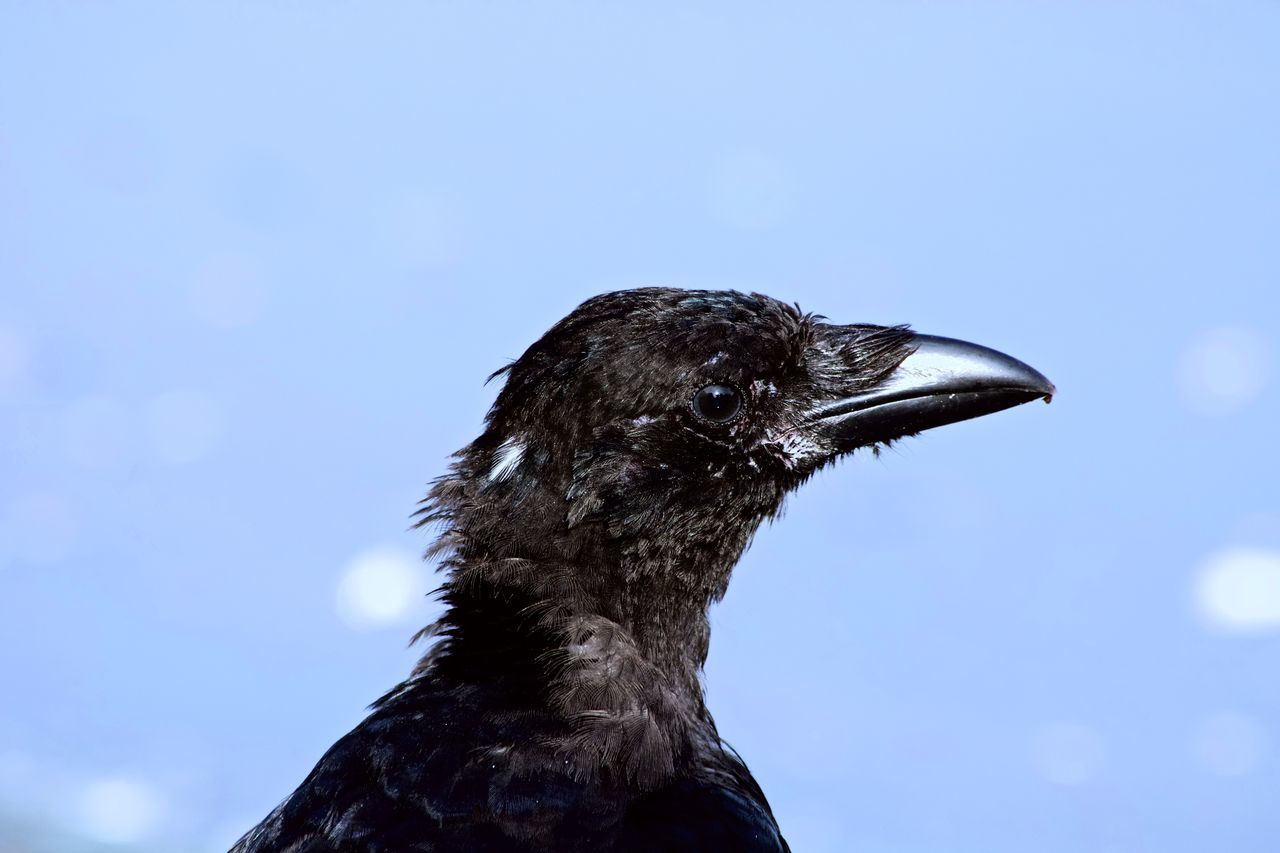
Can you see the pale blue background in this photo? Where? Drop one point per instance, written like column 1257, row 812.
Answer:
column 256, row 259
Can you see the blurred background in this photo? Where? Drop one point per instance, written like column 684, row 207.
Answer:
column 256, row 260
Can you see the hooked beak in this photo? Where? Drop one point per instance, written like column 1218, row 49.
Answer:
column 943, row 381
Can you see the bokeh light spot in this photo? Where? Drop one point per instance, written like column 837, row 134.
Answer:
column 379, row 588
column 119, row 810
column 1238, row 590
column 1224, row 368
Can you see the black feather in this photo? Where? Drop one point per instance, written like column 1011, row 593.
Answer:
column 583, row 537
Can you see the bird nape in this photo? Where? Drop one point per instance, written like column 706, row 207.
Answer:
column 623, row 469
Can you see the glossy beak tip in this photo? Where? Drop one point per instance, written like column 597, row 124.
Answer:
column 942, row 381
column 949, row 365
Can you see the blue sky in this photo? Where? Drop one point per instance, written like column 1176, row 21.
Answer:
column 257, row 260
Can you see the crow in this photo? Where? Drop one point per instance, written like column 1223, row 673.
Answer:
column 623, row 469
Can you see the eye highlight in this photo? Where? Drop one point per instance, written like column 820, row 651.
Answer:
column 717, row 403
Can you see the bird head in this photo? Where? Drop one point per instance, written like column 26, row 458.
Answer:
column 695, row 412
column 629, row 458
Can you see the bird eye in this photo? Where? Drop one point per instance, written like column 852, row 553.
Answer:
column 717, row 403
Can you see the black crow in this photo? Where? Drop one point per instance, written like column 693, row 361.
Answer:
column 623, row 469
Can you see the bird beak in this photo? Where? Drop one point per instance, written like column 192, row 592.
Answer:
column 943, row 381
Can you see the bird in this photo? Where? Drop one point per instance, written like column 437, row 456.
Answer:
column 625, row 465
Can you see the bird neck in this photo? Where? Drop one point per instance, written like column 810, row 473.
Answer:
column 598, row 608
column 593, row 608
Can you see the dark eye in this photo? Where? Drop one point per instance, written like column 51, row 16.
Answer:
column 717, row 403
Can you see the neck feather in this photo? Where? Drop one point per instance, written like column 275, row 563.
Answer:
column 606, row 626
